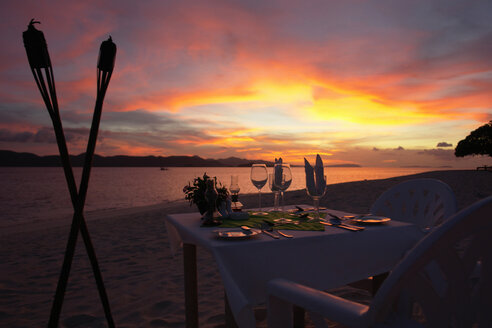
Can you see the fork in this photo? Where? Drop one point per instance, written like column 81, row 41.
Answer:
column 269, row 227
column 263, row 229
column 337, row 221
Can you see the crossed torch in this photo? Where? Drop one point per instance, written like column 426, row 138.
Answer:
column 39, row 60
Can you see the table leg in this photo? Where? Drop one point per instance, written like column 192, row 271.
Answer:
column 190, row 284
column 230, row 322
column 298, row 313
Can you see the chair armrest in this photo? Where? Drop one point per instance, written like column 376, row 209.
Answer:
column 334, row 308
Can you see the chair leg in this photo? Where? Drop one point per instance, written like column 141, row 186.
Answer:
column 279, row 314
column 377, row 281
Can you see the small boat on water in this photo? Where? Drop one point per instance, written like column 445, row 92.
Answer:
column 163, row 168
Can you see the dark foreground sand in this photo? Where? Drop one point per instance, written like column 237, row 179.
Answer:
column 144, row 282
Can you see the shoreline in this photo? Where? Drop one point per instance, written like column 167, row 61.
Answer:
column 143, row 280
column 366, row 192
column 40, row 201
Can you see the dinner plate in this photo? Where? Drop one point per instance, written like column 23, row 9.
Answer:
column 371, row 219
column 235, row 234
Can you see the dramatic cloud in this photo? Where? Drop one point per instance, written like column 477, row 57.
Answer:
column 9, row 136
column 444, row 154
column 256, row 78
column 444, row 145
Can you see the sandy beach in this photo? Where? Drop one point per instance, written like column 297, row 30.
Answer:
column 143, row 280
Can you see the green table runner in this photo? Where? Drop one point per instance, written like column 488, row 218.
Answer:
column 255, row 221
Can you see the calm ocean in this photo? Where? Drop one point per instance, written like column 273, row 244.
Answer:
column 36, row 194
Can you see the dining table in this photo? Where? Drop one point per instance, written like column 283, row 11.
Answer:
column 323, row 259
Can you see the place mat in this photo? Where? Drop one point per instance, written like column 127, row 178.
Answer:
column 255, row 221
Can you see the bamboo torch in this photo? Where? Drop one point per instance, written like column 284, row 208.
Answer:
column 40, row 63
column 39, row 60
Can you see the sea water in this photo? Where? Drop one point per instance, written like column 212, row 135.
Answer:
column 37, row 194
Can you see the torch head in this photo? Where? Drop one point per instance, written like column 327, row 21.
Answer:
column 36, row 48
column 107, row 55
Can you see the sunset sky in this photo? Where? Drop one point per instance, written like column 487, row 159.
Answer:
column 375, row 83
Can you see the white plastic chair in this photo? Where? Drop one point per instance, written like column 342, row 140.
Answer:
column 424, row 202
column 446, row 279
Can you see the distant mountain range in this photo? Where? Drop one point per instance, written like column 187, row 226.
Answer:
column 11, row 158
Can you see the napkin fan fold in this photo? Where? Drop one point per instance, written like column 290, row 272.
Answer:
column 315, row 178
column 278, row 173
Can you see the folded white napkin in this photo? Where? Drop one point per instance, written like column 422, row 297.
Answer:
column 278, row 172
column 319, row 175
column 224, row 208
column 310, row 185
column 315, row 178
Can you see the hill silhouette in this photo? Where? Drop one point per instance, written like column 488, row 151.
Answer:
column 11, row 158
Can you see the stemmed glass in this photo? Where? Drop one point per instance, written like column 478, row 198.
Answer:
column 316, row 192
column 234, row 189
column 259, row 177
column 283, row 179
column 274, row 189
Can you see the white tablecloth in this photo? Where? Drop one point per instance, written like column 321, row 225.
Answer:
column 320, row 259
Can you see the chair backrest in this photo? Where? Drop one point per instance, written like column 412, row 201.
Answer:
column 424, row 202
column 446, row 279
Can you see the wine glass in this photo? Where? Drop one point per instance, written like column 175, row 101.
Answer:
column 274, row 189
column 234, row 189
column 259, row 177
column 316, row 192
column 283, row 179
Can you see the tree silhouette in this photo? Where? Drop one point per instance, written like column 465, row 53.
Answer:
column 478, row 142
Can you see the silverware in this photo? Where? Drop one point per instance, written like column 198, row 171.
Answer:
column 269, row 226
column 284, row 234
column 246, row 230
column 336, row 220
column 336, row 217
column 342, row 226
column 263, row 228
column 269, row 234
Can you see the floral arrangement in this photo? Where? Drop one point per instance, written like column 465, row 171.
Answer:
column 195, row 193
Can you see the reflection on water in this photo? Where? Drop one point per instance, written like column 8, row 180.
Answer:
column 36, row 194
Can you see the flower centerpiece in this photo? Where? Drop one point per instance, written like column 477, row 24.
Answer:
column 195, row 193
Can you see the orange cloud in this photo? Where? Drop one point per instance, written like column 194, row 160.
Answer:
column 258, row 79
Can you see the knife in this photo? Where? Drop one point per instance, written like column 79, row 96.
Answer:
column 271, row 225
column 284, row 234
column 270, row 234
column 351, row 228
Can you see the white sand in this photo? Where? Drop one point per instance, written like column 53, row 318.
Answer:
column 144, row 282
